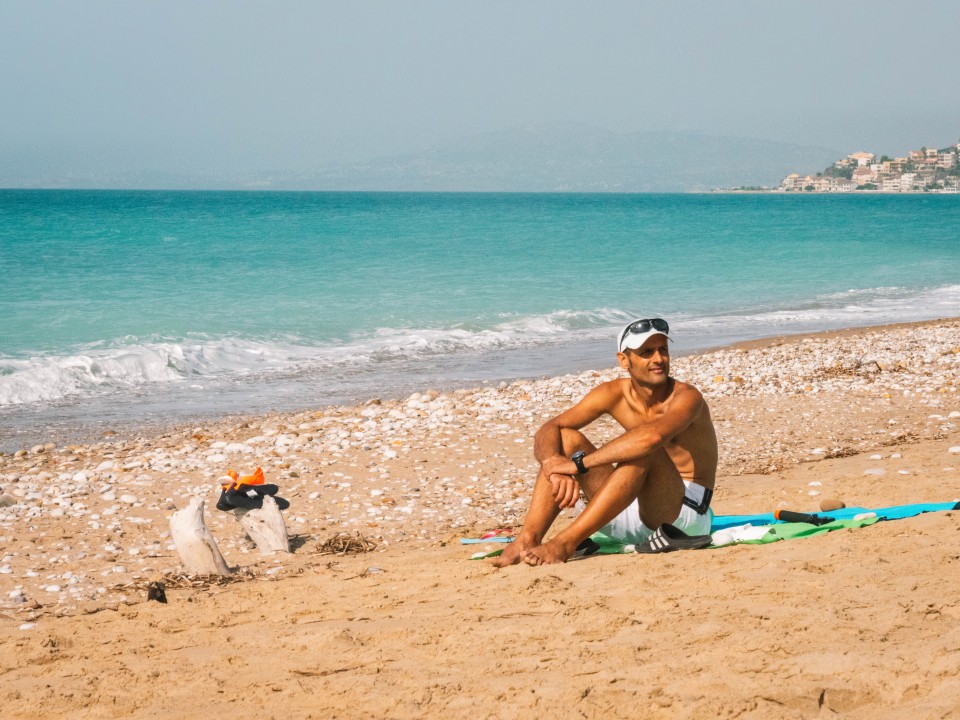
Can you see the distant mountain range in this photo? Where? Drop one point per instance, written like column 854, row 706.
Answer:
column 536, row 158
column 573, row 158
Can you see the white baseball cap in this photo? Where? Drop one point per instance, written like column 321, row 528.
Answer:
column 636, row 333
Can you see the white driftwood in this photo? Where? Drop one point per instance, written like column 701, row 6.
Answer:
column 265, row 527
column 195, row 545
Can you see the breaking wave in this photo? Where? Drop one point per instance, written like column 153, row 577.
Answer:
column 134, row 366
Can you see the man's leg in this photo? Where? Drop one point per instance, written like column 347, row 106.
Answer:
column 653, row 481
column 543, row 508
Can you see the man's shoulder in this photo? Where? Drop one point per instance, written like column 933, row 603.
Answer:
column 616, row 386
column 685, row 391
column 683, row 387
column 608, row 392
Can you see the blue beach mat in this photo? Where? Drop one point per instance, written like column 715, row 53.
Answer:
column 764, row 528
column 895, row 512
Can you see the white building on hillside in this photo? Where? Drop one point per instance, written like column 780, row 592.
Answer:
column 862, row 158
column 863, row 175
column 890, row 184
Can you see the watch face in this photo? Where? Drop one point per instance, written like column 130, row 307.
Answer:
column 577, row 459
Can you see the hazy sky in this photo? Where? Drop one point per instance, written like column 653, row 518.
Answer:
column 227, row 86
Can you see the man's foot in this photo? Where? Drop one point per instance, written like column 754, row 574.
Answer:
column 549, row 553
column 513, row 553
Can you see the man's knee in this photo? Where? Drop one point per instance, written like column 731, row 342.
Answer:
column 574, row 440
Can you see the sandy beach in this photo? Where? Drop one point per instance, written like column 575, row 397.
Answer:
column 857, row 623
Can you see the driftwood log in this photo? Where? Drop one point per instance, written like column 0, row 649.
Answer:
column 195, row 545
column 265, row 526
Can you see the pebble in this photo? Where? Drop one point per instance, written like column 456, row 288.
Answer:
column 875, row 471
column 828, row 504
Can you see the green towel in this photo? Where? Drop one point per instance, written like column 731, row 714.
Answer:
column 775, row 533
column 792, row 531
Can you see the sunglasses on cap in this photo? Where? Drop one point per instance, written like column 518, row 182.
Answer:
column 638, row 327
column 646, row 326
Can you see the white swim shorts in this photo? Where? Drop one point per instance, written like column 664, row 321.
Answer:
column 628, row 528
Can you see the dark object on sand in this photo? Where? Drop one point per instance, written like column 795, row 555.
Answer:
column 156, row 591
column 668, row 538
column 249, row 497
column 788, row 516
column 585, row 549
column 246, row 492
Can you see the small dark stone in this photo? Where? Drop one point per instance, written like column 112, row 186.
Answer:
column 155, row 591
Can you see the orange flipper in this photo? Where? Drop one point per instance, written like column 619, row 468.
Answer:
column 256, row 478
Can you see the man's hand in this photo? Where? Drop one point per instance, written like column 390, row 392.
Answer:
column 560, row 471
column 566, row 490
column 559, row 465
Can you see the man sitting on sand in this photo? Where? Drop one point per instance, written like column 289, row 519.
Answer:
column 662, row 469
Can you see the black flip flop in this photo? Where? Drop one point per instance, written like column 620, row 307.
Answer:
column 585, row 549
column 668, row 538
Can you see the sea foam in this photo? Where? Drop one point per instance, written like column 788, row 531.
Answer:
column 95, row 369
column 129, row 366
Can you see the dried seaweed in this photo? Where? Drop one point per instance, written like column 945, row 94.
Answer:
column 859, row 367
column 842, row 452
column 344, row 543
column 182, row 580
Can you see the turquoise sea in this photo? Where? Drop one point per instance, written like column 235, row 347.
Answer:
column 120, row 308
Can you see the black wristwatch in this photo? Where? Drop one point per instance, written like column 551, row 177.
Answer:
column 577, row 458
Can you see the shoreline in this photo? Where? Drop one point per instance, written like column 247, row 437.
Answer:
column 126, row 429
column 849, row 332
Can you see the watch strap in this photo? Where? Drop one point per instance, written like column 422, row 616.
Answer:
column 577, row 458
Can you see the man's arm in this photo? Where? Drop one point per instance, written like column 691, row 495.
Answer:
column 642, row 440
column 548, row 442
column 556, row 467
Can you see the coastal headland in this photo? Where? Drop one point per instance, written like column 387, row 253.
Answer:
column 859, row 623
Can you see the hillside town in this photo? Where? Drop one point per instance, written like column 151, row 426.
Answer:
column 926, row 170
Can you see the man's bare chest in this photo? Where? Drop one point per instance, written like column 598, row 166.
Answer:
column 630, row 416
